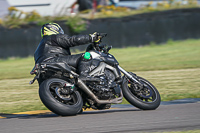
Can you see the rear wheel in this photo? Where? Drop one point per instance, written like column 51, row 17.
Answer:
column 58, row 99
column 147, row 98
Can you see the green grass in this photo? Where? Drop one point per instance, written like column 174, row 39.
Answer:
column 16, row 68
column 18, row 96
column 174, row 68
column 174, row 55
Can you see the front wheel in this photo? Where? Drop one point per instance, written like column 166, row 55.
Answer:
column 59, row 100
column 146, row 98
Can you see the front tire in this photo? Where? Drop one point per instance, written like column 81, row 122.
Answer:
column 64, row 105
column 148, row 99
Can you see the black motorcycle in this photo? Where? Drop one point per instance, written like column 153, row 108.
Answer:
column 66, row 94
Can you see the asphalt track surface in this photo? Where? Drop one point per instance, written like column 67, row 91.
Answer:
column 170, row 116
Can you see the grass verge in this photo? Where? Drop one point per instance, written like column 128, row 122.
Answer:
column 174, row 68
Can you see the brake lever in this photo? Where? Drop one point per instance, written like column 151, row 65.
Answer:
column 102, row 34
column 109, row 48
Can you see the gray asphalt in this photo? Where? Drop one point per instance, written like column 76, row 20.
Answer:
column 127, row 120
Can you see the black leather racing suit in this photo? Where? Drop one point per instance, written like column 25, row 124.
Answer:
column 56, row 48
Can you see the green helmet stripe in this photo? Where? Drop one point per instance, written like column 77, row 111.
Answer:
column 49, row 31
column 41, row 33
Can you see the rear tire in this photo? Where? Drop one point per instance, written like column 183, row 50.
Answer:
column 56, row 104
column 138, row 101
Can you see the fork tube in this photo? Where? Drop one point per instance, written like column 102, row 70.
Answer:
column 128, row 75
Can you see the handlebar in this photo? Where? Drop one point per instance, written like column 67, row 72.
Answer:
column 102, row 34
column 101, row 47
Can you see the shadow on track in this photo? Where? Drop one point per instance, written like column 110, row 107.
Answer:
column 51, row 114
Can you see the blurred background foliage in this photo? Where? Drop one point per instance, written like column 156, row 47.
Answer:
column 77, row 23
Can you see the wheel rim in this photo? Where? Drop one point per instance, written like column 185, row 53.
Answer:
column 68, row 99
column 146, row 95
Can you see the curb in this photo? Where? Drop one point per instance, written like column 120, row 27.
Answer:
column 36, row 113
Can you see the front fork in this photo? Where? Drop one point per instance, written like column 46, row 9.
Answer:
column 130, row 77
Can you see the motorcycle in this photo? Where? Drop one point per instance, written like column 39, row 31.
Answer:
column 67, row 94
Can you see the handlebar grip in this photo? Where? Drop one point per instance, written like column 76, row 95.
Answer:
column 102, row 34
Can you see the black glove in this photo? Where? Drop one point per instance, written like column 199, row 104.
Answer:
column 95, row 37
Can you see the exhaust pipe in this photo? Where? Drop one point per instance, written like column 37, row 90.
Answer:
column 82, row 86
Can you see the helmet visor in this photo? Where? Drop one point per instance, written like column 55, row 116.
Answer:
column 61, row 31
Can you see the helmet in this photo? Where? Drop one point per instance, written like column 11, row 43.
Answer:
column 51, row 29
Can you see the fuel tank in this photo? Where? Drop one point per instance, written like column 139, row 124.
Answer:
column 102, row 57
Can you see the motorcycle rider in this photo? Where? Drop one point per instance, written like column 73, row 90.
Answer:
column 55, row 47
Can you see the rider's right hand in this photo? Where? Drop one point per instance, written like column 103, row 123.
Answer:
column 95, row 37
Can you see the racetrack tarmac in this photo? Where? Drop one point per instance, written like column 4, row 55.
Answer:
column 168, row 117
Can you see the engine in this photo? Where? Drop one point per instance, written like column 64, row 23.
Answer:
column 107, row 88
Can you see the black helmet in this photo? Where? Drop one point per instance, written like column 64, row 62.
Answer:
column 51, row 29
